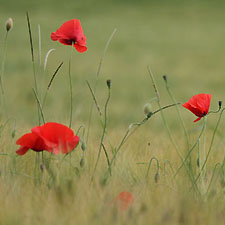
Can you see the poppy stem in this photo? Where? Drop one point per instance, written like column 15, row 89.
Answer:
column 189, row 152
column 96, row 80
column 211, row 144
column 189, row 171
column 103, row 135
column 149, row 166
column 71, row 88
column 128, row 132
column 177, row 109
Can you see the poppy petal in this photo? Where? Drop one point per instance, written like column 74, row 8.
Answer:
column 80, row 48
column 22, row 150
column 54, row 36
column 197, row 119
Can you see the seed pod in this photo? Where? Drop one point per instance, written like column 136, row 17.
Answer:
column 9, row 24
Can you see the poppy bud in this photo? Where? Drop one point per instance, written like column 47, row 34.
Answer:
column 165, row 78
column 147, row 109
column 83, row 146
column 82, row 162
column 13, row 133
column 220, row 104
column 9, row 24
column 197, row 162
column 156, row 178
column 108, row 82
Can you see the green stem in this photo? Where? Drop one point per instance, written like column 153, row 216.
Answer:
column 3, row 64
column 189, row 152
column 211, row 144
column 103, row 135
column 149, row 166
column 178, row 112
column 128, row 133
column 71, row 88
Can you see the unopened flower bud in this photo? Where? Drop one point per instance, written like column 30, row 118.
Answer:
column 108, row 82
column 197, row 162
column 156, row 178
column 220, row 104
column 147, row 109
column 13, row 133
column 165, row 78
column 9, row 24
column 82, row 162
column 83, row 146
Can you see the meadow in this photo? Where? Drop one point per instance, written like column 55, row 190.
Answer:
column 183, row 40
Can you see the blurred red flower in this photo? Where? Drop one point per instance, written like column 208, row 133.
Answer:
column 70, row 33
column 199, row 105
column 52, row 137
column 125, row 200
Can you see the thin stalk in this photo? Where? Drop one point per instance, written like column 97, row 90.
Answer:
column 32, row 51
column 39, row 44
column 99, row 112
column 3, row 64
column 107, row 158
column 50, row 82
column 103, row 134
column 162, row 115
column 204, row 151
column 96, row 80
column 128, row 133
column 39, row 104
column 211, row 144
column 149, row 166
column 189, row 171
column 178, row 110
column 189, row 152
column 213, row 175
column 164, row 166
column 71, row 88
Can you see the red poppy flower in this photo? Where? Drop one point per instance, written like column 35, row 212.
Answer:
column 52, row 137
column 70, row 33
column 125, row 199
column 199, row 105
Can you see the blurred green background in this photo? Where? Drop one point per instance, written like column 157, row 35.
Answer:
column 183, row 39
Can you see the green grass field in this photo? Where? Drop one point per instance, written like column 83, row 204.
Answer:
column 182, row 39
